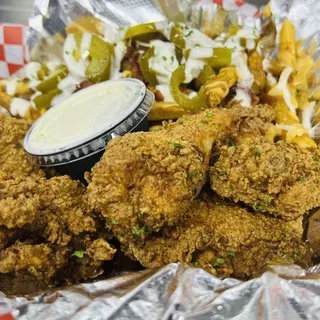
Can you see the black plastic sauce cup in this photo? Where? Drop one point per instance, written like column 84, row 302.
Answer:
column 121, row 106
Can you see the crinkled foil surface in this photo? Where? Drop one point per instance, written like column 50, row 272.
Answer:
column 176, row 291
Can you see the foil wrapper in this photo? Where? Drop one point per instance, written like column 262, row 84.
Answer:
column 176, row 291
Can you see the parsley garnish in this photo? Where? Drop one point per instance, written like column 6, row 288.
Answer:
column 176, row 145
column 114, row 222
column 172, row 59
column 79, row 254
column 209, row 115
column 189, row 33
column 192, row 174
column 139, row 231
column 164, row 58
column 256, row 152
column 67, row 52
column 303, row 178
column 218, row 262
column 195, row 263
column 231, row 253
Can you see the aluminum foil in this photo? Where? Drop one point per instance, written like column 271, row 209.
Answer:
column 176, row 291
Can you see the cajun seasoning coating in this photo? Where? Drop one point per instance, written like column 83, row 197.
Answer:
column 14, row 161
column 39, row 260
column 223, row 238
column 278, row 178
column 146, row 181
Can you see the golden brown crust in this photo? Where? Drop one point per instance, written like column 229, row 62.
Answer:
column 223, row 238
column 278, row 178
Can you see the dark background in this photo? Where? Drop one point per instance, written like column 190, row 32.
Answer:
column 18, row 11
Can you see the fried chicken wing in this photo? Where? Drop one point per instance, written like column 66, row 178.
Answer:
column 223, row 238
column 277, row 178
column 146, row 181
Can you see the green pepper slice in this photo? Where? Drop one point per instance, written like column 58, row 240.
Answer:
column 51, row 83
column 101, row 53
column 177, row 37
column 221, row 58
column 205, row 74
column 148, row 75
column 44, row 100
column 139, row 30
column 180, row 98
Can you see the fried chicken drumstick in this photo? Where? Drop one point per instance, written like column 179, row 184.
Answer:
column 277, row 178
column 146, row 181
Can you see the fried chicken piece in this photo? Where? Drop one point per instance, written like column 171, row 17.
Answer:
column 14, row 161
column 55, row 207
column 39, row 260
column 16, row 213
column 223, row 238
column 146, row 181
column 278, row 178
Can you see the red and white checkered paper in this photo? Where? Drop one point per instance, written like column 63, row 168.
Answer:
column 13, row 37
column 13, row 49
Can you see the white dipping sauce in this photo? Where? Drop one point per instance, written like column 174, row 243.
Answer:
column 84, row 116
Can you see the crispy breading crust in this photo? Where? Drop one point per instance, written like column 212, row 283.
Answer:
column 223, row 238
column 146, row 181
column 53, row 212
column 279, row 178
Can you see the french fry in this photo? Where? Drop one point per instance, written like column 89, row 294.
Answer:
column 165, row 111
column 217, row 88
column 256, row 68
column 85, row 24
column 287, row 49
column 5, row 100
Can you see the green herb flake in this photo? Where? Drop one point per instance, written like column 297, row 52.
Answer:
column 231, row 253
column 172, row 59
column 114, row 222
column 176, row 145
column 268, row 198
column 164, row 58
column 256, row 152
column 195, row 263
column 139, row 231
column 209, row 115
column 189, row 33
column 316, row 159
column 192, row 174
column 218, row 262
column 67, row 52
column 140, row 215
column 79, row 254
column 303, row 179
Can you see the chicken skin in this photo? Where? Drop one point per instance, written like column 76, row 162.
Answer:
column 146, row 181
column 277, row 178
column 223, row 238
